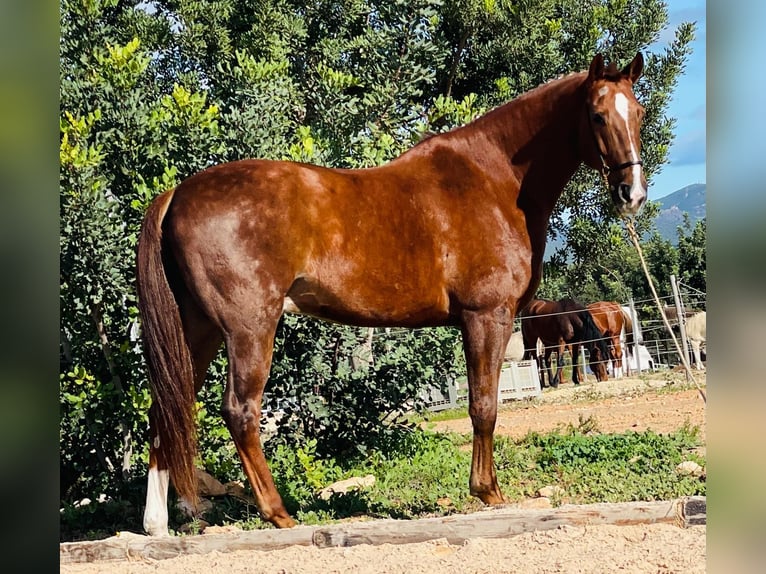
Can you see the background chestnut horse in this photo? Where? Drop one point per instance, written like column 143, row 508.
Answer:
column 560, row 325
column 452, row 232
column 610, row 320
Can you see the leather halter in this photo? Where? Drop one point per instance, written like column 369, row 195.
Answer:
column 606, row 169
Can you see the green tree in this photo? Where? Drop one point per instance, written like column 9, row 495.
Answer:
column 692, row 254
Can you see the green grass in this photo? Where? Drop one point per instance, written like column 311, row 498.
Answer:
column 426, row 474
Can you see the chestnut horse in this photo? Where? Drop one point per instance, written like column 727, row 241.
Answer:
column 452, row 233
column 560, row 325
column 610, row 320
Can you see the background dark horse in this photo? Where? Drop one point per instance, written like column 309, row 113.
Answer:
column 560, row 325
column 452, row 232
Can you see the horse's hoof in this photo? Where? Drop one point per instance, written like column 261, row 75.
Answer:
column 489, row 495
column 286, row 523
column 282, row 521
column 492, row 499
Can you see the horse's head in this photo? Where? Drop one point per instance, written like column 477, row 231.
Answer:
column 611, row 138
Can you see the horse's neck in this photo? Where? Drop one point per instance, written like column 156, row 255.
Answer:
column 541, row 143
column 538, row 133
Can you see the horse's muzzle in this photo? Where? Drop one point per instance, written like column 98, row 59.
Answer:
column 629, row 197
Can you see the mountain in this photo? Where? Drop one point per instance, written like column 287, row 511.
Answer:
column 689, row 199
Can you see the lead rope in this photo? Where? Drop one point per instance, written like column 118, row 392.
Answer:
column 634, row 237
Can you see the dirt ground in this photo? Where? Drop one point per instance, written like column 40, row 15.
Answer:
column 614, row 406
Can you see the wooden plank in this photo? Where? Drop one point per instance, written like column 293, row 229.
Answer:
column 495, row 522
column 130, row 546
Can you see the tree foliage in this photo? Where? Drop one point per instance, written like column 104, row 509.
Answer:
column 152, row 92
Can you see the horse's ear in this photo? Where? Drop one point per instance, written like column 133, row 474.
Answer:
column 634, row 69
column 596, row 71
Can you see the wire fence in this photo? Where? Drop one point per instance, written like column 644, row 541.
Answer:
column 653, row 350
column 657, row 350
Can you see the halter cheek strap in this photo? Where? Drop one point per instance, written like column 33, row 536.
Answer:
column 605, row 168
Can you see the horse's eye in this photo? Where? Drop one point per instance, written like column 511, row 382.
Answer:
column 599, row 120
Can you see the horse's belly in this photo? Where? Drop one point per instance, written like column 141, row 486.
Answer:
column 387, row 306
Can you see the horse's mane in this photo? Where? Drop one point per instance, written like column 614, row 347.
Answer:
column 532, row 93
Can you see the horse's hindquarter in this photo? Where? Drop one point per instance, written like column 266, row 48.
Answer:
column 608, row 317
column 370, row 247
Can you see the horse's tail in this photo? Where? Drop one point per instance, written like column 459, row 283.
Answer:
column 171, row 375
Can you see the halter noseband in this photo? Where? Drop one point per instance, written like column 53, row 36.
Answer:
column 606, row 170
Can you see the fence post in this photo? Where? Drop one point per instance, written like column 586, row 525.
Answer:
column 657, row 351
column 634, row 319
column 681, row 318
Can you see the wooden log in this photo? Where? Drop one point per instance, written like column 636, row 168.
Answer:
column 496, row 522
column 506, row 522
column 131, row 546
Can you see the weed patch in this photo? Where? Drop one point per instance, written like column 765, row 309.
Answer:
column 423, row 473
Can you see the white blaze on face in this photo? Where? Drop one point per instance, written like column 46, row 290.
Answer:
column 621, row 106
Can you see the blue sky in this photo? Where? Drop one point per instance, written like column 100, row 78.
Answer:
column 688, row 106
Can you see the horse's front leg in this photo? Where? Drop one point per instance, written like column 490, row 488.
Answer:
column 558, row 377
column 485, row 336
column 553, row 382
column 617, row 351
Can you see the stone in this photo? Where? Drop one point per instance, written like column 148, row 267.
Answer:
column 689, row 468
column 551, row 491
column 343, row 486
column 207, row 485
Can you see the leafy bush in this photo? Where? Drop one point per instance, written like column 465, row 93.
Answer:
column 617, row 467
column 350, row 409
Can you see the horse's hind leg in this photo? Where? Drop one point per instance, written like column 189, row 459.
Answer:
column 204, row 340
column 250, row 349
column 697, row 357
column 532, row 354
